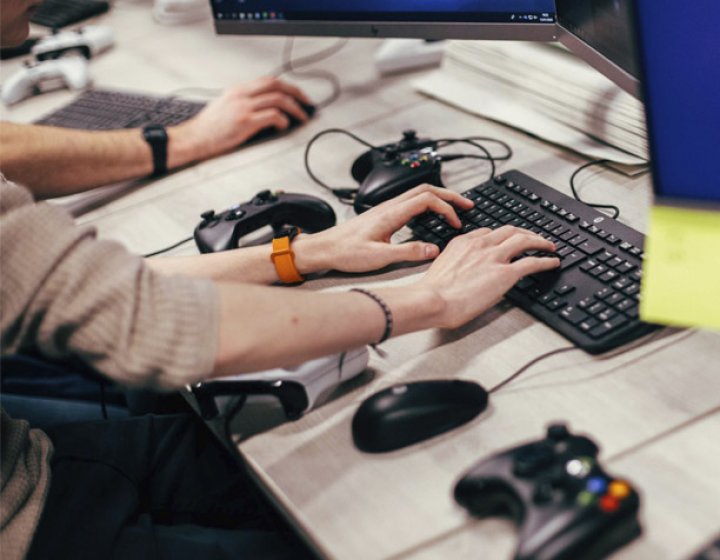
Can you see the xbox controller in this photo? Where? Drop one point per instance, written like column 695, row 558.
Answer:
column 88, row 41
column 71, row 72
column 565, row 504
column 392, row 169
column 221, row 232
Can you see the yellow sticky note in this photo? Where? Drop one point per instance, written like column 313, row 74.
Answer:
column 681, row 271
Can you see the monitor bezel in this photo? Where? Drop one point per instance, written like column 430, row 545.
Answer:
column 392, row 30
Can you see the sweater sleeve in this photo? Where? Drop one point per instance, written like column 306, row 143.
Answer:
column 64, row 293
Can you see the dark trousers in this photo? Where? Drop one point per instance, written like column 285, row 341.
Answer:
column 153, row 487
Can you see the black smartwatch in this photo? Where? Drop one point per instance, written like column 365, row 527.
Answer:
column 156, row 136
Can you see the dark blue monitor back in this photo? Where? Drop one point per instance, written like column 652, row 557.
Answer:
column 679, row 48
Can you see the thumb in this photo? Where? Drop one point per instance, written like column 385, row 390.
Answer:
column 416, row 251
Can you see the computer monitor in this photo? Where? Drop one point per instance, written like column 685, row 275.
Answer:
column 601, row 33
column 529, row 20
column 679, row 52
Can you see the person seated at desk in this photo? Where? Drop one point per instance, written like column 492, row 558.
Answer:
column 157, row 486
column 52, row 161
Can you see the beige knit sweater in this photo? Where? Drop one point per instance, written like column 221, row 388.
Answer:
column 64, row 293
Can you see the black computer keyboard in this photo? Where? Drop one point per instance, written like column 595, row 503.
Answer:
column 59, row 13
column 712, row 552
column 593, row 298
column 109, row 110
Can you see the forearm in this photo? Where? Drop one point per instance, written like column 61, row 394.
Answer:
column 53, row 161
column 250, row 265
column 264, row 327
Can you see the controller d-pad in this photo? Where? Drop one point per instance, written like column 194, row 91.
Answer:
column 532, row 458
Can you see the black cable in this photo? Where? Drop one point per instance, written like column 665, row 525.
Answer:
column 615, row 209
column 344, row 194
column 166, row 249
column 528, row 365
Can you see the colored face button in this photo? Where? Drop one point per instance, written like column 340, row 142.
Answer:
column 415, row 164
column 586, row 498
column 619, row 489
column 609, row 504
column 580, row 467
column 596, row 485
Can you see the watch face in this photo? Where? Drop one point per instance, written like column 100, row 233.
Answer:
column 287, row 231
column 155, row 132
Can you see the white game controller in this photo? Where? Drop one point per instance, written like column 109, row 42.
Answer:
column 298, row 389
column 88, row 41
column 71, row 72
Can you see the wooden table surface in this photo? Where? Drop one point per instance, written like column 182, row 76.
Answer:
column 653, row 407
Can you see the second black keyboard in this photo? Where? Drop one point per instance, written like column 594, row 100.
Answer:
column 593, row 298
column 100, row 109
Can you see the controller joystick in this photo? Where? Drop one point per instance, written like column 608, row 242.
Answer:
column 565, row 505
column 221, row 232
column 392, row 169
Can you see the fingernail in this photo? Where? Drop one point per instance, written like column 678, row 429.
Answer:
column 430, row 250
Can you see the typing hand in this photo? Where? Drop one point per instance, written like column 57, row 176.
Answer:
column 238, row 115
column 476, row 269
column 363, row 243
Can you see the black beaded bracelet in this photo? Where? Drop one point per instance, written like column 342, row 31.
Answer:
column 386, row 310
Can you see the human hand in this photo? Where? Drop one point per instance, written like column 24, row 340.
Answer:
column 476, row 269
column 363, row 243
column 236, row 116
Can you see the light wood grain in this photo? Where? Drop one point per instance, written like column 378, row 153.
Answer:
column 652, row 407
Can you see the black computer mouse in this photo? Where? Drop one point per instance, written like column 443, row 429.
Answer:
column 270, row 132
column 405, row 414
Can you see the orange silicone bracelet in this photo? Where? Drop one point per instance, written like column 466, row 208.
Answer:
column 284, row 260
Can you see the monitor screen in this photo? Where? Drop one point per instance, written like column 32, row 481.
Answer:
column 602, row 33
column 680, row 58
column 426, row 19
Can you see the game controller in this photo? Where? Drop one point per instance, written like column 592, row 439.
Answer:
column 88, row 41
column 71, row 72
column 221, row 232
column 565, row 504
column 298, row 389
column 392, row 169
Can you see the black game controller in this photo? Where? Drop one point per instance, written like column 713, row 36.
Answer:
column 565, row 505
column 392, row 169
column 221, row 232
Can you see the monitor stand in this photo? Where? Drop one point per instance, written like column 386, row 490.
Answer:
column 402, row 55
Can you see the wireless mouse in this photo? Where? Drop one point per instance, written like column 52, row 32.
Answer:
column 405, row 414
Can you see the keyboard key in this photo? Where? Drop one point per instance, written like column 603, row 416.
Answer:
column 573, row 258
column 564, row 289
column 589, row 248
column 625, row 267
column 555, row 305
column 573, row 315
column 588, row 324
column 614, row 298
column 607, row 326
column 608, row 277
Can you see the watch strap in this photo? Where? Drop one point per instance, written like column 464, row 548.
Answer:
column 156, row 136
column 284, row 259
